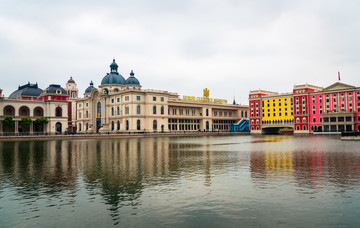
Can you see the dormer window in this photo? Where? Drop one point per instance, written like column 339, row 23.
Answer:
column 58, row 91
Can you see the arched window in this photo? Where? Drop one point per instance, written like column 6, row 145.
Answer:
column 9, row 110
column 24, row 111
column 127, row 125
column 116, row 90
column 162, row 110
column 98, row 110
column 154, row 109
column 257, row 128
column 242, row 113
column 304, row 120
column 138, row 109
column 155, row 125
column 112, row 125
column 38, row 111
column 304, row 127
column 297, row 120
column 252, row 128
column 58, row 111
column 298, row 127
column 138, row 127
column 118, row 125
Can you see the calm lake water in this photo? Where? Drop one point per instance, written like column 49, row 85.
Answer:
column 210, row 181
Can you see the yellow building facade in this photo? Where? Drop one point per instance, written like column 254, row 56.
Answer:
column 277, row 109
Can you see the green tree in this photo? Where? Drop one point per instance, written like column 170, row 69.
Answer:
column 8, row 121
column 40, row 122
column 25, row 123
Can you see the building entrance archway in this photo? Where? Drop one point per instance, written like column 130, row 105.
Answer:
column 58, row 128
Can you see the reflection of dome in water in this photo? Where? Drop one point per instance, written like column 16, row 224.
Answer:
column 113, row 77
column 132, row 80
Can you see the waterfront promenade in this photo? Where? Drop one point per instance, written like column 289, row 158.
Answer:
column 124, row 135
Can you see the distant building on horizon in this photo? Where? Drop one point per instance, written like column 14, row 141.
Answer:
column 118, row 105
column 306, row 109
column 29, row 101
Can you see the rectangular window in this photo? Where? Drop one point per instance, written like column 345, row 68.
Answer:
column 112, row 101
column 154, row 98
column 137, row 98
column 87, row 104
column 118, row 99
column 162, row 99
column 314, row 119
column 126, row 98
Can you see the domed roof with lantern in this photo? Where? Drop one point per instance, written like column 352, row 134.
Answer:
column 113, row 78
column 132, row 80
column 90, row 88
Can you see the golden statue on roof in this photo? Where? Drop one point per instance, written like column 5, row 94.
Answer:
column 206, row 92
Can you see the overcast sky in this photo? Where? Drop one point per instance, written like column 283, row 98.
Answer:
column 227, row 46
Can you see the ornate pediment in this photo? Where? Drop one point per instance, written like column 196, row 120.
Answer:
column 339, row 86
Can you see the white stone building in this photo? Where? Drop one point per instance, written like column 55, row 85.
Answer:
column 120, row 105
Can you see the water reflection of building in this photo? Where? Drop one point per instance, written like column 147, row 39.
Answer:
column 306, row 167
column 117, row 170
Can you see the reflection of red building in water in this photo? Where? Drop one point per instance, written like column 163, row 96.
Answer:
column 310, row 167
column 335, row 108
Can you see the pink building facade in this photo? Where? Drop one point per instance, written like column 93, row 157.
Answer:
column 335, row 108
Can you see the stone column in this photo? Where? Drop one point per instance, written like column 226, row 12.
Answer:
column 31, row 130
column 16, row 127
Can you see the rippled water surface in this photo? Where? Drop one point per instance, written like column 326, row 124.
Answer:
column 223, row 181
